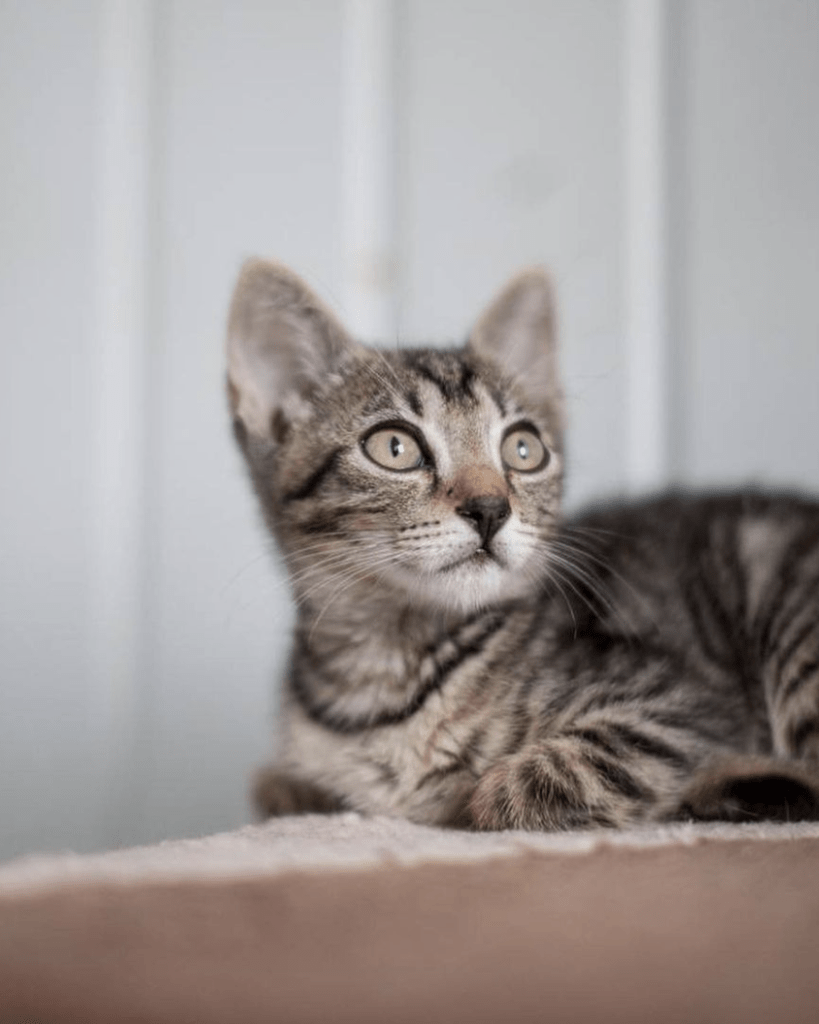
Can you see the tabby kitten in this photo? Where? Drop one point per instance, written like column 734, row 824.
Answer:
column 463, row 656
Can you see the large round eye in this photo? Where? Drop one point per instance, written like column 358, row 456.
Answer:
column 523, row 451
column 394, row 448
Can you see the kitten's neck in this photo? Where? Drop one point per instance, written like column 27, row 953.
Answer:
column 367, row 629
column 367, row 659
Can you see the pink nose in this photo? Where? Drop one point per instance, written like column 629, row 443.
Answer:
column 487, row 514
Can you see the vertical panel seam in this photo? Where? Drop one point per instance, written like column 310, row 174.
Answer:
column 649, row 413
column 368, row 186
column 122, row 284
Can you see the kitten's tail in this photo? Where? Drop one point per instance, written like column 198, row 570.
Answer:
column 751, row 788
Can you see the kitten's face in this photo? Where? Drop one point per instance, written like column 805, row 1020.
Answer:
column 421, row 472
column 426, row 477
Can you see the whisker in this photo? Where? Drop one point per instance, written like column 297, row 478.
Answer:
column 345, row 585
column 244, row 569
column 596, row 531
column 597, row 591
column 338, row 571
column 609, row 567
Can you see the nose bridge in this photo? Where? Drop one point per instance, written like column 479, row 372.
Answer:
column 478, row 481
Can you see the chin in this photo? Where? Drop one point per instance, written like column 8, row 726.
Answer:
column 469, row 587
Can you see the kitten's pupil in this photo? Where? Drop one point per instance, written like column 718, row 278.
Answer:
column 396, row 446
column 523, row 449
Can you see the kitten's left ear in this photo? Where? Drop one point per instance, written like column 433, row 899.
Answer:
column 517, row 331
column 282, row 343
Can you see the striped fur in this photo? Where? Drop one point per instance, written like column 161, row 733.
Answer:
column 462, row 654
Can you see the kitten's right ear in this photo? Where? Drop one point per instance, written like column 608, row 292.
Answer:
column 517, row 331
column 282, row 342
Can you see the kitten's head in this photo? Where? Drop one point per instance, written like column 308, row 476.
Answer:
column 430, row 476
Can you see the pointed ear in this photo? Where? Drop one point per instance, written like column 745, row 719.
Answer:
column 281, row 343
column 517, row 331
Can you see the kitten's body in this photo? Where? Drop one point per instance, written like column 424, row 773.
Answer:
column 463, row 658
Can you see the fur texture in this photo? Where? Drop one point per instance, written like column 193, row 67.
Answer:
column 462, row 654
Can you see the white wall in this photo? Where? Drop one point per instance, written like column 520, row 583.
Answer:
column 149, row 145
column 50, row 789
column 749, row 269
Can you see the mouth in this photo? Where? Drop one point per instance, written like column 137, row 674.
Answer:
column 480, row 556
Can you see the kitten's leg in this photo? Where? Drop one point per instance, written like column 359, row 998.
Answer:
column 637, row 723
column 276, row 793
column 604, row 770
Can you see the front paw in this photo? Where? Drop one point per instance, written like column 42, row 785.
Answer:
column 276, row 793
column 537, row 791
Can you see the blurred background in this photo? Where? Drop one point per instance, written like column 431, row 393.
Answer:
column 405, row 157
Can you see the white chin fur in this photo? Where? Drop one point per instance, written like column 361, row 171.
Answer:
column 467, row 587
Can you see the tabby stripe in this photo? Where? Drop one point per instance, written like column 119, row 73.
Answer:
column 691, row 723
column 711, row 552
column 803, row 676
column 315, row 480
column 323, row 714
column 462, row 761
column 435, row 774
column 672, row 671
column 740, row 577
column 746, row 668
column 556, row 788
column 414, row 402
column 616, row 695
column 531, row 779
column 793, row 645
column 474, row 745
column 615, row 777
column 714, row 628
column 802, row 732
column 769, row 620
column 794, row 605
column 327, row 521
column 521, row 721
column 570, row 778
column 468, row 377
column 595, row 739
column 650, row 746
column 497, row 398
column 448, row 388
column 386, row 773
